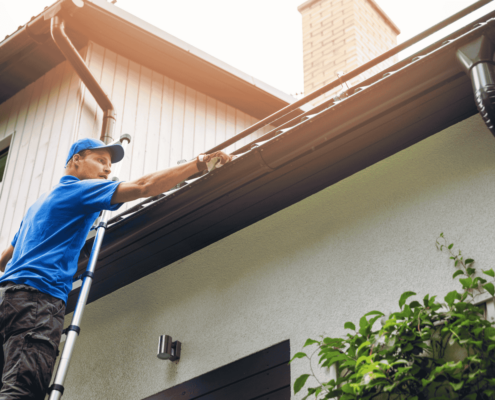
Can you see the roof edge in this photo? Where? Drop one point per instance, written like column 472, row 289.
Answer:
column 157, row 32
column 373, row 3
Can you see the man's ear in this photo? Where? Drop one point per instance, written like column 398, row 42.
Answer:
column 75, row 159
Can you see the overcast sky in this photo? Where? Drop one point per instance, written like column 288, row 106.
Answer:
column 260, row 37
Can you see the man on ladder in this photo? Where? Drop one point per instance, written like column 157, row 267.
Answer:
column 42, row 259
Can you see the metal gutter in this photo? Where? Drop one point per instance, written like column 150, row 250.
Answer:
column 454, row 40
column 74, row 58
column 279, row 153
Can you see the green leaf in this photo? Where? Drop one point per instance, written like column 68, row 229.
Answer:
column 467, row 282
column 374, row 313
column 404, row 297
column 309, row 342
column 349, row 325
column 470, row 271
column 457, row 386
column 414, row 304
column 490, row 288
column 450, row 298
column 363, row 345
column 490, row 272
column 298, row 355
column 451, row 245
column 300, row 382
column 469, row 261
column 457, row 273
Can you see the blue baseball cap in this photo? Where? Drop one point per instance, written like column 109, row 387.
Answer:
column 116, row 150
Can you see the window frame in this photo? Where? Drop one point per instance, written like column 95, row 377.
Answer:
column 6, row 145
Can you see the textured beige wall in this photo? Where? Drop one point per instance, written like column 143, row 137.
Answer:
column 351, row 248
column 341, row 35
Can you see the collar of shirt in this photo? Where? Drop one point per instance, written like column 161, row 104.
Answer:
column 68, row 178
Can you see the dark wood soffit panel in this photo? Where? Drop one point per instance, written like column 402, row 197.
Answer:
column 268, row 369
column 277, row 190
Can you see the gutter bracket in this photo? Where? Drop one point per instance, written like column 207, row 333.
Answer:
column 477, row 60
column 259, row 157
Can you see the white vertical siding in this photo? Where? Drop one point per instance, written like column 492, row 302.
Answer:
column 167, row 120
column 41, row 118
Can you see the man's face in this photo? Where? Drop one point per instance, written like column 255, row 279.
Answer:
column 96, row 165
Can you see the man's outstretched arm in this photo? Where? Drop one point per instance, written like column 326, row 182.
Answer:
column 5, row 257
column 159, row 182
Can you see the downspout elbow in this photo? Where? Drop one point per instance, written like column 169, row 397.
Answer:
column 64, row 44
column 476, row 58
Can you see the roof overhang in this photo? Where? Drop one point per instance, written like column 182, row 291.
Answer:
column 411, row 101
column 30, row 52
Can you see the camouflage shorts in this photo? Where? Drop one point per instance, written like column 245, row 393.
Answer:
column 30, row 328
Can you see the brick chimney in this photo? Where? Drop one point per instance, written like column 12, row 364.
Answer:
column 341, row 35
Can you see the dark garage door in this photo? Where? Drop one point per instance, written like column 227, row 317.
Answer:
column 261, row 376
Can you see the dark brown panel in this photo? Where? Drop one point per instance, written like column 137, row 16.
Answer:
column 256, row 375
column 282, row 394
column 255, row 386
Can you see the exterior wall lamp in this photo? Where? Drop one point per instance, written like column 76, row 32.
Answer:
column 168, row 350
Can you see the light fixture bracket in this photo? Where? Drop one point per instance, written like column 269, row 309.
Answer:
column 167, row 349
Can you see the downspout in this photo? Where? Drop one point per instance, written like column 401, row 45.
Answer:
column 476, row 58
column 74, row 58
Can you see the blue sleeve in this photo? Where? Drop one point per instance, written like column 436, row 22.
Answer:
column 96, row 195
column 14, row 241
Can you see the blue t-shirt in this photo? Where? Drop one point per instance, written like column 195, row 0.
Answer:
column 53, row 232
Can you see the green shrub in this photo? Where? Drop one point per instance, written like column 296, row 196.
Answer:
column 408, row 357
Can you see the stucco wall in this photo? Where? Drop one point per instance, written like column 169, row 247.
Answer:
column 349, row 249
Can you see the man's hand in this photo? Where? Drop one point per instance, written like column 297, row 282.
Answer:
column 5, row 257
column 204, row 159
column 159, row 182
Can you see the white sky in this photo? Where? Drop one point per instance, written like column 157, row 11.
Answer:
column 260, row 37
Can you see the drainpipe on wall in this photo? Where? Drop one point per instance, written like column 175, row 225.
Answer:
column 74, row 58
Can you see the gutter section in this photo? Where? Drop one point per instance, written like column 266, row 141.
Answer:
column 74, row 58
